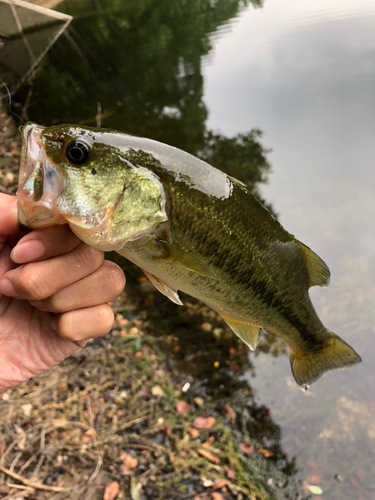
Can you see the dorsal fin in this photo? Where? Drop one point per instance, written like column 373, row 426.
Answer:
column 248, row 332
column 318, row 270
column 236, row 181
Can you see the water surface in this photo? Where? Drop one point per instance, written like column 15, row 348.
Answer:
column 304, row 72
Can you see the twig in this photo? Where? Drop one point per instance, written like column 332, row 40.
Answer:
column 97, row 469
column 21, row 487
column 132, row 422
column 27, row 482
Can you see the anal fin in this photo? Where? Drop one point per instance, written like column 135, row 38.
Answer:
column 164, row 288
column 248, row 332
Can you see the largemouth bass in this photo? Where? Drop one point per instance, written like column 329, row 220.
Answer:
column 188, row 226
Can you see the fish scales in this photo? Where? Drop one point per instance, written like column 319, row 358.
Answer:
column 189, row 227
column 216, row 230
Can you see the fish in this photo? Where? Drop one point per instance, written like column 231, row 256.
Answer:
column 189, row 226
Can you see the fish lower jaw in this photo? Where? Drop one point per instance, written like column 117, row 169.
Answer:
column 38, row 216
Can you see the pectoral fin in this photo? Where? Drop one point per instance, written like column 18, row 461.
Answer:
column 164, row 288
column 318, row 270
column 175, row 255
column 248, row 332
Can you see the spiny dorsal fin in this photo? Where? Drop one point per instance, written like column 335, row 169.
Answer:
column 318, row 270
column 308, row 367
column 177, row 256
column 164, row 288
column 248, row 332
column 236, row 181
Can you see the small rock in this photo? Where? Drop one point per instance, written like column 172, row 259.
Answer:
column 157, row 391
column 206, row 327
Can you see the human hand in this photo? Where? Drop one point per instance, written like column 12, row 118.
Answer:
column 54, row 291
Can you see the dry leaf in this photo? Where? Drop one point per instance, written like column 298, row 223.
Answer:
column 246, row 448
column 88, row 436
column 111, row 491
column 182, row 407
column 208, row 444
column 217, row 496
column 128, row 463
column 230, row 473
column 203, row 422
column 219, row 483
column 206, row 454
column 231, row 413
column 265, row 453
column 193, row 432
column 313, row 478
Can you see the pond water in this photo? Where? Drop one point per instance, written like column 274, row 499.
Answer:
column 201, row 76
column 304, row 72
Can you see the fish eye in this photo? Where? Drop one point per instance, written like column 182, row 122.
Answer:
column 77, row 152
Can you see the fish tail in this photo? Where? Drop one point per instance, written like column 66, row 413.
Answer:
column 309, row 366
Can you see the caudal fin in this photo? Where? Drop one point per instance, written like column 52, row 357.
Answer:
column 308, row 367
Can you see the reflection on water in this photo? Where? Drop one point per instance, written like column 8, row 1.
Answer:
column 307, row 77
column 304, row 74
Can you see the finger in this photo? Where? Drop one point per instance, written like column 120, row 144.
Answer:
column 103, row 285
column 44, row 244
column 84, row 324
column 8, row 220
column 39, row 280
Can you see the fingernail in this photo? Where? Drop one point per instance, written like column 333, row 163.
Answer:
column 7, row 288
column 81, row 343
column 27, row 251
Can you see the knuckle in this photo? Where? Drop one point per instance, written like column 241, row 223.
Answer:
column 32, row 286
column 87, row 257
column 53, row 304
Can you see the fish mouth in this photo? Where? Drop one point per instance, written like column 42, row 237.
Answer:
column 40, row 182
